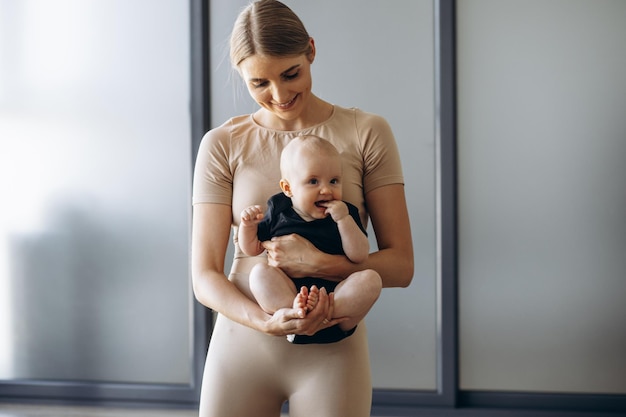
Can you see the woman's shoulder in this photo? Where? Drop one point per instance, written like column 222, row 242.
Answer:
column 232, row 126
column 235, row 127
column 360, row 118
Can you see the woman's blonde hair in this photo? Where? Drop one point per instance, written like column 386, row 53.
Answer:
column 268, row 27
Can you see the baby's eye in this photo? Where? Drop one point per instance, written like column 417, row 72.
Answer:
column 313, row 181
column 334, row 181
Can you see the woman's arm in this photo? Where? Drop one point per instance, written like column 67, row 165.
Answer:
column 393, row 260
column 390, row 220
column 209, row 241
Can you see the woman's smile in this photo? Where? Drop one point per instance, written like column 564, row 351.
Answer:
column 288, row 105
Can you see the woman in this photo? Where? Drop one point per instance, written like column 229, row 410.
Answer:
column 251, row 368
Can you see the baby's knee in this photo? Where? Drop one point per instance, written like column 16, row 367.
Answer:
column 258, row 274
column 260, row 269
column 370, row 281
column 262, row 274
column 374, row 279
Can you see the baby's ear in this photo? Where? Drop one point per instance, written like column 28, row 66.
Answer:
column 284, row 185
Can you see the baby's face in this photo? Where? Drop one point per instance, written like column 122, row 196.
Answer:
column 314, row 180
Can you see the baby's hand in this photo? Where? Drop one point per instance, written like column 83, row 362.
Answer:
column 337, row 209
column 251, row 216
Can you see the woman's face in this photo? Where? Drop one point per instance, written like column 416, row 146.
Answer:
column 280, row 85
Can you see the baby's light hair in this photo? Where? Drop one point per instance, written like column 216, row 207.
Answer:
column 311, row 145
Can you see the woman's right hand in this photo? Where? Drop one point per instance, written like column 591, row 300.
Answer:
column 295, row 255
column 287, row 320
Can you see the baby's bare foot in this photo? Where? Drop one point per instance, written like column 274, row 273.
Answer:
column 313, row 298
column 300, row 302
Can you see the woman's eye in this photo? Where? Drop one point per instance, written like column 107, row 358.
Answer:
column 286, row 77
column 291, row 76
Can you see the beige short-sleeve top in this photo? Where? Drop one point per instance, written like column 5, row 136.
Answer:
column 238, row 162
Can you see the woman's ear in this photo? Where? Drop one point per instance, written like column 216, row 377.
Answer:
column 284, row 185
column 311, row 54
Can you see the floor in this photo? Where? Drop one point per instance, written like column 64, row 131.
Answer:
column 24, row 410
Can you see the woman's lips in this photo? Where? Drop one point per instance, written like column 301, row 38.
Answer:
column 288, row 105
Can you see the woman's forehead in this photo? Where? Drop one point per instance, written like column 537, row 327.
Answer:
column 265, row 66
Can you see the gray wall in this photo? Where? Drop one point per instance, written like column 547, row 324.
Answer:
column 542, row 200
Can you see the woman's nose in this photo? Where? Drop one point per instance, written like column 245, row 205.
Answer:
column 280, row 94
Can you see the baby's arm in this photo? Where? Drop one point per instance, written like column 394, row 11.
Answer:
column 247, row 234
column 354, row 241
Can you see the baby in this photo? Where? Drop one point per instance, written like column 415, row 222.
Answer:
column 310, row 205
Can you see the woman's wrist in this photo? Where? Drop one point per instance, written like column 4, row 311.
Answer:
column 331, row 267
column 267, row 325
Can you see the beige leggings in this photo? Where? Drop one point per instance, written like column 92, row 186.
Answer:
column 250, row 374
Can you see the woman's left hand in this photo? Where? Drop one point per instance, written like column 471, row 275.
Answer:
column 321, row 317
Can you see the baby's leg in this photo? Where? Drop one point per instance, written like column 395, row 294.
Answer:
column 272, row 288
column 355, row 296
